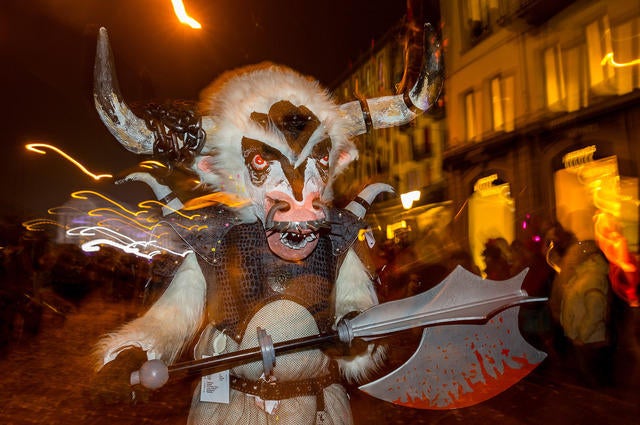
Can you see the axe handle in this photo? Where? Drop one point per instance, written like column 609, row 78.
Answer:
column 229, row 360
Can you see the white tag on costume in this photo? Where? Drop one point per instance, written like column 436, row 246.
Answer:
column 214, row 388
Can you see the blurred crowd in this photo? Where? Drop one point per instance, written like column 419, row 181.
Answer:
column 583, row 326
column 37, row 275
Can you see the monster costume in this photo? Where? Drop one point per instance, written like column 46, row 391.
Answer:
column 282, row 258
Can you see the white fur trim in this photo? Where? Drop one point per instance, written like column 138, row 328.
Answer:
column 170, row 322
column 354, row 291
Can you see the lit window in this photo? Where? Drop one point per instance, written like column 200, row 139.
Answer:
column 470, row 116
column 576, row 77
column 507, row 102
column 496, row 105
column 598, row 35
column 477, row 17
column 502, row 103
column 625, row 53
column 555, row 87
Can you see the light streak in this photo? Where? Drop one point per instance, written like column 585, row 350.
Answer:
column 612, row 243
column 37, row 147
column 147, row 205
column 609, row 58
column 151, row 164
column 224, row 198
column 194, row 228
column 38, row 224
column 550, row 262
column 83, row 194
column 59, row 210
column 99, row 212
column 117, row 240
column 181, row 13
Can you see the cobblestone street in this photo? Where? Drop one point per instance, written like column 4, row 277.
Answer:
column 44, row 381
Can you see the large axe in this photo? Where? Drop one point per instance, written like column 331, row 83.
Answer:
column 471, row 348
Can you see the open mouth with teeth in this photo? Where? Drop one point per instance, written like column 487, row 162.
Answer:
column 297, row 240
column 294, row 241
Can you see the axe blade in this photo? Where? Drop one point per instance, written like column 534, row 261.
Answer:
column 459, row 365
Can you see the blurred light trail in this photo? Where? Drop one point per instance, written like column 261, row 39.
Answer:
column 37, row 147
column 144, row 249
column 151, row 164
column 38, row 224
column 609, row 58
column 83, row 194
column 150, row 202
column 181, row 13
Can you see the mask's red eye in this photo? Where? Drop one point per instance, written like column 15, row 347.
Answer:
column 324, row 161
column 258, row 163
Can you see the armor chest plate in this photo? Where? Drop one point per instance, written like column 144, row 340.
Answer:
column 248, row 275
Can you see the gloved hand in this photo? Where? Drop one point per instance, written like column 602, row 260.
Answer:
column 111, row 384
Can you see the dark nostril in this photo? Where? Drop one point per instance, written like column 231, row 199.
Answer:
column 281, row 206
column 278, row 206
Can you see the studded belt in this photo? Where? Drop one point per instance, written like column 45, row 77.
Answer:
column 280, row 390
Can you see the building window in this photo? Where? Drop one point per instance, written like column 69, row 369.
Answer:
column 477, row 19
column 576, row 77
column 598, row 34
column 554, row 78
column 480, row 16
column 470, row 116
column 625, row 54
column 502, row 103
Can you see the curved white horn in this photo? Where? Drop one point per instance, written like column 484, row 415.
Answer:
column 391, row 111
column 130, row 130
column 360, row 205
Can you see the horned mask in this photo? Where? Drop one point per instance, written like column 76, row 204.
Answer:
column 276, row 139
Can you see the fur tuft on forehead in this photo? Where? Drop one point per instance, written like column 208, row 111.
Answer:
column 233, row 97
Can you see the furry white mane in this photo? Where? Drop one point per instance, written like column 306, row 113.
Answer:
column 233, row 97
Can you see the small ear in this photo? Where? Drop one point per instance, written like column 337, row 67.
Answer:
column 343, row 159
column 206, row 164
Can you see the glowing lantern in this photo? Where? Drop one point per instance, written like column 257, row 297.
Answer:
column 409, row 198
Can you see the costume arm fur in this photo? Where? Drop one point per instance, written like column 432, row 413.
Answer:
column 354, row 292
column 170, row 322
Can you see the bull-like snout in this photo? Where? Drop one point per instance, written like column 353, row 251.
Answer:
column 285, row 214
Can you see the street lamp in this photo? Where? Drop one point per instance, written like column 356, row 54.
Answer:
column 409, row 198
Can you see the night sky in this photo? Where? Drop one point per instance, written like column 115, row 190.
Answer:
column 47, row 49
